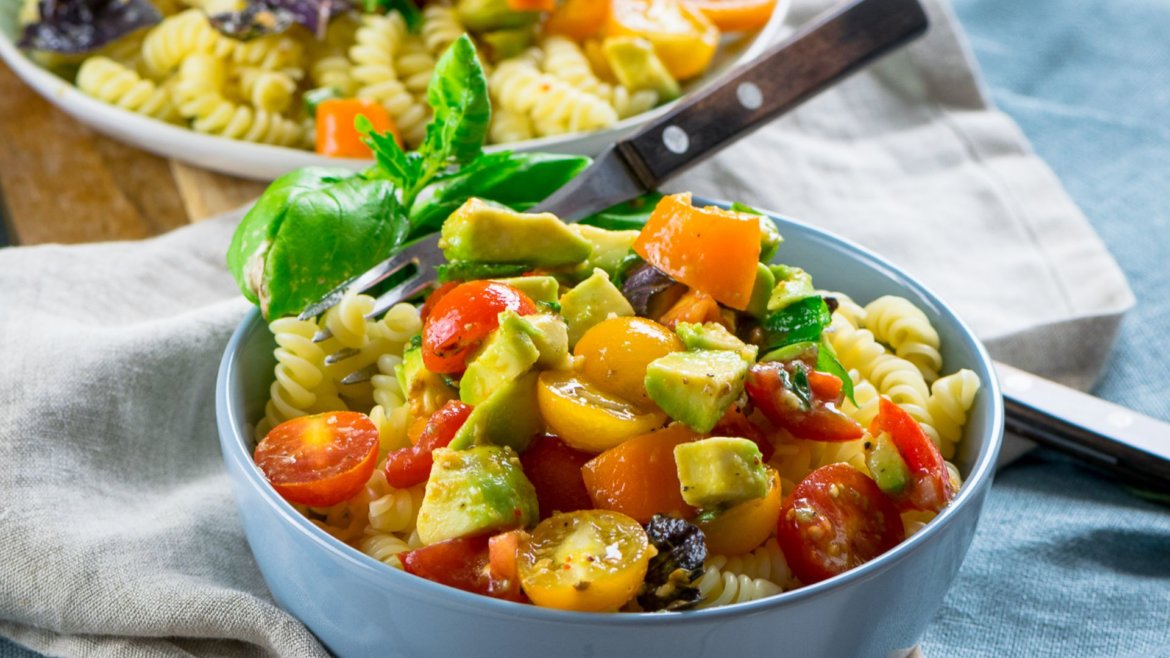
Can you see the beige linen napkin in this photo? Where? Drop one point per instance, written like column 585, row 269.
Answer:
column 119, row 536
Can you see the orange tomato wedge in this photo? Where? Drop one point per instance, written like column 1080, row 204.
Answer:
column 578, row 19
column 684, row 38
column 745, row 526
column 735, row 15
column 319, row 460
column 531, row 5
column 708, row 249
column 336, row 135
column 639, row 477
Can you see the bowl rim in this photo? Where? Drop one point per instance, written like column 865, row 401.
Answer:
column 233, row 444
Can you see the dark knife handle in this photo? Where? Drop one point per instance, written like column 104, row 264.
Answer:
column 1134, row 447
column 831, row 47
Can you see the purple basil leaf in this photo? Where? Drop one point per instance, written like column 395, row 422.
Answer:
column 642, row 284
column 263, row 17
column 82, row 26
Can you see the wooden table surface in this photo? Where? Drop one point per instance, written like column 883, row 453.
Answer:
column 63, row 182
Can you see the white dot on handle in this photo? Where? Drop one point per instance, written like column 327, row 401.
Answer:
column 675, row 139
column 1019, row 382
column 749, row 95
column 1120, row 419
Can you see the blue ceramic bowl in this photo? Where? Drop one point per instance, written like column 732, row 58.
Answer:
column 358, row 606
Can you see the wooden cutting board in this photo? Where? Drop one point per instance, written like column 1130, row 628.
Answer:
column 62, row 182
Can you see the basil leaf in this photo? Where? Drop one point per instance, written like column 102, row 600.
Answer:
column 741, row 207
column 82, row 26
column 407, row 8
column 798, row 384
column 626, row 216
column 394, row 164
column 800, row 321
column 459, row 96
column 827, row 362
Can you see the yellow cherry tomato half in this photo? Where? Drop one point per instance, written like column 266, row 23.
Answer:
column 587, row 418
column 735, row 15
column 745, row 526
column 589, row 561
column 616, row 352
column 684, row 39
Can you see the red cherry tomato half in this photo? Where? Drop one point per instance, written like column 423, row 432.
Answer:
column 463, row 317
column 834, row 520
column 409, row 466
column 473, row 564
column 434, row 298
column 930, row 484
column 821, row 421
column 735, row 423
column 503, row 560
column 554, row 469
column 319, row 460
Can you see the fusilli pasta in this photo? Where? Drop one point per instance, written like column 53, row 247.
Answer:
column 176, row 37
column 373, row 54
column 107, row 80
column 718, row 587
column 900, row 324
column 951, row 398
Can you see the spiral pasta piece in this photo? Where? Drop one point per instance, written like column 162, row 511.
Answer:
column 900, row 324
column 273, row 52
column 553, row 105
column 383, row 547
column 847, row 309
column 172, row 40
column 415, row 64
column 441, row 27
column 766, row 562
column 392, row 428
column 866, row 397
column 335, row 71
column 564, row 59
column 299, row 371
column 271, row 91
column 347, row 320
column 894, row 377
column 109, row 81
column 718, row 587
column 199, row 96
column 394, row 510
column 508, row 127
column 951, row 397
column 398, row 325
column 376, row 43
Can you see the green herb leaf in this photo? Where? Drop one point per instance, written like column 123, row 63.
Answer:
column 458, row 94
column 394, row 164
column 827, row 362
column 407, row 8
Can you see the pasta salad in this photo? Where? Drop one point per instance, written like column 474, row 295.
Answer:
column 294, row 73
column 617, row 420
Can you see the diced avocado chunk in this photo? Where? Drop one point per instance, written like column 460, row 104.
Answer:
column 508, row 417
column 886, row 465
column 508, row 43
column 551, row 336
column 539, row 288
column 637, row 66
column 761, row 292
column 610, row 248
column 483, row 232
column 485, row 15
column 714, row 336
column 696, row 388
column 720, row 471
column 424, row 390
column 475, row 491
column 792, row 285
column 507, row 353
column 591, row 301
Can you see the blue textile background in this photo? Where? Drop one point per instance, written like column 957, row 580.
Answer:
column 1066, row 563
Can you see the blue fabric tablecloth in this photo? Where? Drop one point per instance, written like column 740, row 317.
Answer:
column 1066, row 563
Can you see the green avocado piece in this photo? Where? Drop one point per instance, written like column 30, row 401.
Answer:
column 551, row 337
column 637, row 67
column 507, row 353
column 714, row 336
column 487, row 233
column 508, row 43
column 610, row 248
column 886, row 465
column 539, row 288
column 696, row 388
column 720, row 471
column 487, row 15
column 509, row 417
column 591, row 301
column 475, row 491
column 792, row 285
column 761, row 292
column 423, row 389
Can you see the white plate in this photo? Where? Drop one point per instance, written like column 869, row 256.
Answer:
column 264, row 162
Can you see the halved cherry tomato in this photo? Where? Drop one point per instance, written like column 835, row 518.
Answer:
column 336, row 135
column 639, row 477
column 554, row 469
column 734, row 423
column 709, row 249
column 825, row 386
column 818, row 420
column 503, row 561
column 409, row 466
column 684, row 38
column 577, row 19
column 425, row 311
column 745, row 526
column 616, row 352
column 930, row 483
column 460, row 321
column 319, row 460
column 591, row 561
column 735, row 15
column 460, row 563
column 587, row 418
column 834, row 520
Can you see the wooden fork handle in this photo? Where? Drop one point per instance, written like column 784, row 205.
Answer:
column 831, row 47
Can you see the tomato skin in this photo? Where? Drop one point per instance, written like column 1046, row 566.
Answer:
column 617, row 351
column 504, row 568
column 735, row 15
column 554, row 469
column 930, row 484
column 825, row 386
column 735, row 423
column 409, row 466
column 639, row 477
column 823, row 533
column 578, row 19
column 428, row 306
column 319, row 460
column 337, row 137
column 460, row 563
column 463, row 317
column 823, row 422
